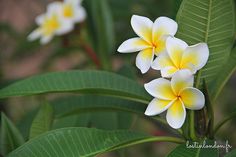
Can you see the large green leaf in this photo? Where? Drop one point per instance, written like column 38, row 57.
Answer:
column 101, row 29
column 210, row 21
column 79, row 111
column 10, row 136
column 82, row 142
column 99, row 108
column 225, row 72
column 96, row 82
column 92, row 103
column 42, row 121
column 187, row 150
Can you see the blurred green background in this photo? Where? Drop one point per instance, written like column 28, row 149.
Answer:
column 20, row 58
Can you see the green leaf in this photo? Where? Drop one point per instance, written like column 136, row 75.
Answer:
column 42, row 121
column 79, row 111
column 10, row 136
column 210, row 21
column 99, row 108
column 25, row 122
column 83, row 142
column 231, row 154
column 79, row 120
column 177, row 4
column 93, row 103
column 225, row 120
column 226, row 71
column 101, row 29
column 95, row 82
column 128, row 71
column 186, row 150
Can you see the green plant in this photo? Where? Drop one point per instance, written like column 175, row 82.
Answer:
column 208, row 21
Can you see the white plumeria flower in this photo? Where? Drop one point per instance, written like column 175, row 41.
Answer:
column 151, row 40
column 71, row 10
column 181, row 56
column 174, row 96
column 50, row 24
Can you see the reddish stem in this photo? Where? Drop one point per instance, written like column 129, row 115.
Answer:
column 91, row 54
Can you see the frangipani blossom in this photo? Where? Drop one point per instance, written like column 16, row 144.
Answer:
column 58, row 20
column 181, row 56
column 151, row 40
column 50, row 24
column 174, row 96
column 70, row 10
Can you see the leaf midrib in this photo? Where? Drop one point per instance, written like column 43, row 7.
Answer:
column 208, row 21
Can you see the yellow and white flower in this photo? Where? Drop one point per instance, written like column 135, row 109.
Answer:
column 151, row 40
column 181, row 56
column 58, row 20
column 174, row 96
column 50, row 24
column 70, row 10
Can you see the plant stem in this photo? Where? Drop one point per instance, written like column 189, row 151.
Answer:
column 198, row 79
column 192, row 128
column 91, row 54
column 191, row 117
column 210, row 111
column 220, row 124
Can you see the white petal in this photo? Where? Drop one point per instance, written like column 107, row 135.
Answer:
column 162, row 61
column 190, row 67
column 197, row 55
column 163, row 26
column 168, row 72
column 193, row 98
column 54, row 7
column 142, row 26
column 157, row 106
column 144, row 60
column 175, row 48
column 80, row 14
column 182, row 79
column 75, row 2
column 34, row 35
column 160, row 88
column 65, row 27
column 39, row 19
column 176, row 114
column 133, row 45
column 46, row 39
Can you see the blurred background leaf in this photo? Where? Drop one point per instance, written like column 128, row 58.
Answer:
column 11, row 138
column 101, row 28
column 42, row 121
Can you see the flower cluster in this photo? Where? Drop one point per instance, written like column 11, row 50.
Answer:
column 59, row 19
column 175, row 59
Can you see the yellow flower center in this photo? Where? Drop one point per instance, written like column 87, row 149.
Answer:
column 158, row 46
column 154, row 45
column 50, row 24
column 68, row 10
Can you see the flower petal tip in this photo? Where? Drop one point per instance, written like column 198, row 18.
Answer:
column 148, row 113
